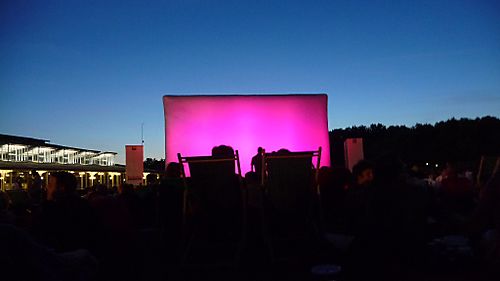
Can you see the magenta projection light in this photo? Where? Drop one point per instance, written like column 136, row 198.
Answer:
column 195, row 124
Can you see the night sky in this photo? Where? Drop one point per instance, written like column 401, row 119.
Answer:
column 88, row 73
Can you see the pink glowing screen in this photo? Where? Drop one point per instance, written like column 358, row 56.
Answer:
column 195, row 124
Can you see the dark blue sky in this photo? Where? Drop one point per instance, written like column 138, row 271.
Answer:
column 88, row 73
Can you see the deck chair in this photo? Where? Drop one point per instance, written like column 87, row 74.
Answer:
column 213, row 206
column 289, row 181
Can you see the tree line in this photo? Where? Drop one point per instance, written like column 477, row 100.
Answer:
column 457, row 140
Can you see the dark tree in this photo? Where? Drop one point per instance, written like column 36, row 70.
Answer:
column 464, row 140
column 154, row 164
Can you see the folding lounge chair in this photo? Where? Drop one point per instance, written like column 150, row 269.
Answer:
column 289, row 181
column 213, row 207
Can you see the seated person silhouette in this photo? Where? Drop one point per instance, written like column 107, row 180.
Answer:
column 66, row 221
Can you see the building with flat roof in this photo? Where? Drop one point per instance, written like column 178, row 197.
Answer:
column 22, row 156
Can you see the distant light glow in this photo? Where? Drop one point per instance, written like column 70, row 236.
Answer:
column 195, row 124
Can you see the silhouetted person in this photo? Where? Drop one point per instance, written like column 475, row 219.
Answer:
column 25, row 259
column 225, row 151
column 6, row 216
column 170, row 199
column 484, row 224
column 66, row 221
column 391, row 231
column 222, row 151
column 256, row 164
column 120, row 218
column 35, row 188
column 130, row 203
column 456, row 192
column 173, row 170
column 151, row 179
column 363, row 173
column 18, row 184
column 215, row 185
column 334, row 183
column 358, row 198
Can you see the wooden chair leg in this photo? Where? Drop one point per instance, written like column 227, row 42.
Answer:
column 189, row 244
column 267, row 237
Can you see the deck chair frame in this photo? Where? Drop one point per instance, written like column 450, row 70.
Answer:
column 300, row 154
column 208, row 159
column 289, row 155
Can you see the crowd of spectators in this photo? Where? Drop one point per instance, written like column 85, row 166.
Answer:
column 380, row 217
column 385, row 216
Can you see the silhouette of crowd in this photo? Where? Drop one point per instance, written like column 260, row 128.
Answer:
column 382, row 220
